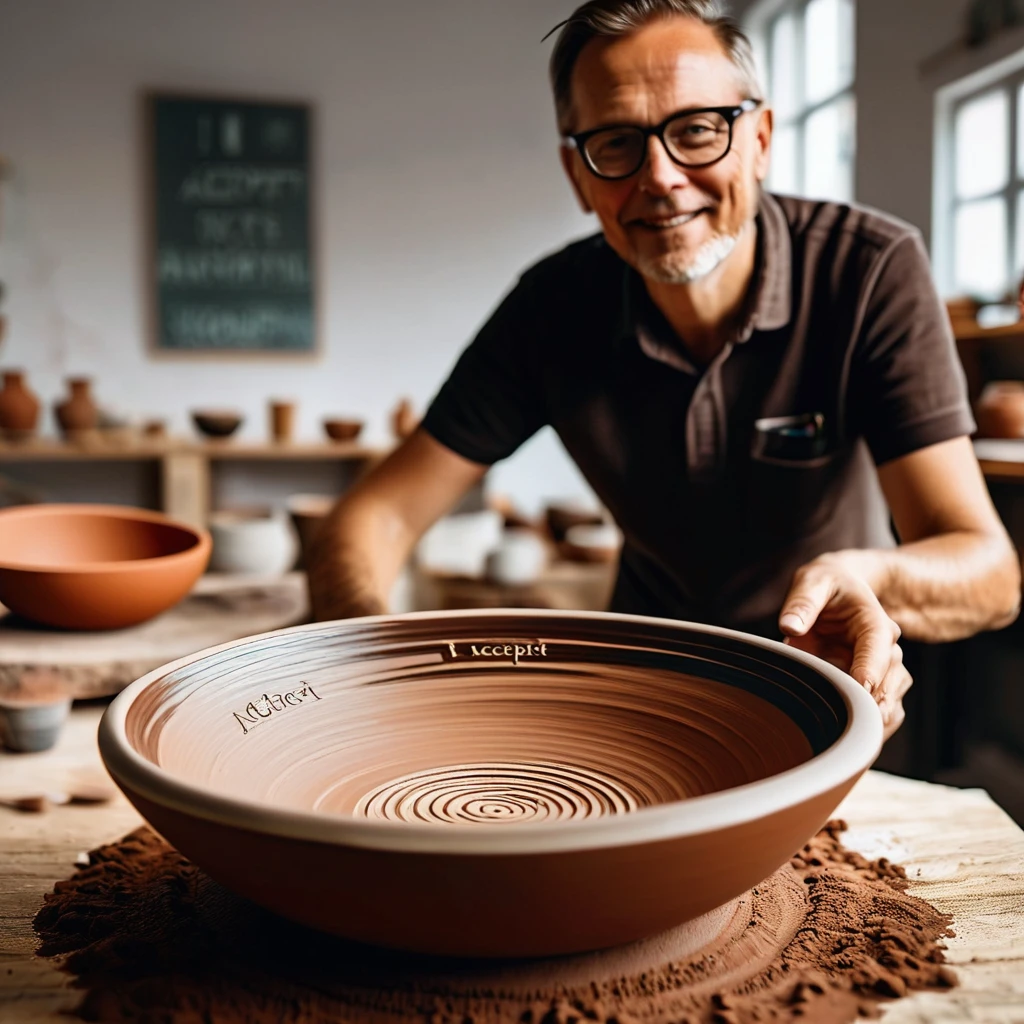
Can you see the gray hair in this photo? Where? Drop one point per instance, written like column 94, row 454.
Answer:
column 620, row 17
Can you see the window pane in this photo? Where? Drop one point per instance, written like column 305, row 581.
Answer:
column 828, row 151
column 1018, row 261
column 1020, row 133
column 828, row 48
column 982, row 145
column 783, row 172
column 980, row 255
column 783, row 66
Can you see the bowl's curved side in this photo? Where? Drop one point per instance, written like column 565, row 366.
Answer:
column 521, row 905
column 98, row 596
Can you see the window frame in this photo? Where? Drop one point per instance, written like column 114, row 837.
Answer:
column 1006, row 76
column 760, row 21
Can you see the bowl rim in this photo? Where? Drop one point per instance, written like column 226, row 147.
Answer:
column 201, row 540
column 847, row 758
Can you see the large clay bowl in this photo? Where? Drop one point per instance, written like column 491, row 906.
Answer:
column 491, row 783
column 96, row 566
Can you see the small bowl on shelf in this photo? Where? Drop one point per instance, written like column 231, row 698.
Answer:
column 343, row 430
column 218, row 423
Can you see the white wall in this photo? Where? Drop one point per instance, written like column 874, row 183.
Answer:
column 438, row 182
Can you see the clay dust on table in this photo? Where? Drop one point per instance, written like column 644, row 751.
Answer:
column 830, row 936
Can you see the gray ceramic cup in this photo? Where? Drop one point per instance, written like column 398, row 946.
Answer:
column 30, row 728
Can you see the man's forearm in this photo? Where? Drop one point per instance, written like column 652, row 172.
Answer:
column 943, row 588
column 354, row 562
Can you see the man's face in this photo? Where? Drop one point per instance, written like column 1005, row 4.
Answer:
column 671, row 223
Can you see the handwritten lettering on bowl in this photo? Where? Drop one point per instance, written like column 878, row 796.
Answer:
column 516, row 652
column 272, row 703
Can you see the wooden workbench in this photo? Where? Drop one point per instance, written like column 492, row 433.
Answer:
column 961, row 852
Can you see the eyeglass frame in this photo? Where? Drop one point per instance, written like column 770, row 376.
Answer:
column 730, row 114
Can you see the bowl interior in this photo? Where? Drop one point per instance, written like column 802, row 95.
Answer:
column 62, row 537
column 483, row 720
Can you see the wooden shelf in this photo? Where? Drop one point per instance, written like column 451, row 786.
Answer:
column 51, row 449
column 185, row 465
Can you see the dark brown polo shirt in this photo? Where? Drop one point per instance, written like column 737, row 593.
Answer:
column 719, row 507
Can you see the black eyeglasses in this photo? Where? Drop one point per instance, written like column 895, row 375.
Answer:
column 692, row 138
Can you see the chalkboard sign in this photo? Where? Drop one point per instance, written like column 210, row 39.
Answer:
column 232, row 258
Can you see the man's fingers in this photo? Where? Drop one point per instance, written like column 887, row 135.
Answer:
column 808, row 595
column 873, row 652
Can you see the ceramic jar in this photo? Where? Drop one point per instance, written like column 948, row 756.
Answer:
column 257, row 542
column 19, row 407
column 1000, row 409
column 78, row 411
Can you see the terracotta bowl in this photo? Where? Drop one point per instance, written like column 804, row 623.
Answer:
column 343, row 430
column 491, row 783
column 96, row 566
column 216, row 423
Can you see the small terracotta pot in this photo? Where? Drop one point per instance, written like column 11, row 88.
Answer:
column 404, row 420
column 282, row 422
column 19, row 407
column 307, row 512
column 1000, row 409
column 78, row 411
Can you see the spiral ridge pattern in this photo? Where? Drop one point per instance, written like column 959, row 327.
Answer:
column 497, row 793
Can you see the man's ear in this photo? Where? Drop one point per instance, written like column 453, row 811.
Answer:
column 571, row 166
column 762, row 161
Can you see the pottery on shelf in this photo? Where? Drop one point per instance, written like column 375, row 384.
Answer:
column 307, row 512
column 1000, row 409
column 19, row 407
column 591, row 542
column 252, row 541
column 561, row 516
column 218, row 423
column 77, row 412
column 519, row 558
column 342, row 429
column 494, row 783
column 96, row 566
column 404, row 420
column 282, row 421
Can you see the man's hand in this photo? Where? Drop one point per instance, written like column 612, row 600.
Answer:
column 832, row 612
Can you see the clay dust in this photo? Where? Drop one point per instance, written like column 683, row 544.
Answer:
column 830, row 936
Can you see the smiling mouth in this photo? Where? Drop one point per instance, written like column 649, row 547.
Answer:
column 666, row 223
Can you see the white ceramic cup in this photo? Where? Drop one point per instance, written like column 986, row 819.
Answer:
column 519, row 558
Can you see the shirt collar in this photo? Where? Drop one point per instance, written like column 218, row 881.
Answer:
column 772, row 306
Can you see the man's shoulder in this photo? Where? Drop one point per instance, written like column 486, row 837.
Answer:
column 862, row 226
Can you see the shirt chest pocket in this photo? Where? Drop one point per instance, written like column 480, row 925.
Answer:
column 790, row 498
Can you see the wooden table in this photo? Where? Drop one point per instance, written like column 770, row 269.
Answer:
column 961, row 852
column 221, row 607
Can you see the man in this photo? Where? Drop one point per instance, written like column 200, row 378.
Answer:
column 734, row 373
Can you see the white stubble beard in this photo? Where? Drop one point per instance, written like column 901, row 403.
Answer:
column 669, row 268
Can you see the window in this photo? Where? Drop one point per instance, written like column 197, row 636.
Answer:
column 807, row 49
column 984, row 150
